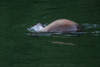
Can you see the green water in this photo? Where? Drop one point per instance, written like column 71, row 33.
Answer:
column 20, row 50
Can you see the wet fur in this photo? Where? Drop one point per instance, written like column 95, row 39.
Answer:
column 62, row 25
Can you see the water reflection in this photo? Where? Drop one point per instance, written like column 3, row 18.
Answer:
column 62, row 43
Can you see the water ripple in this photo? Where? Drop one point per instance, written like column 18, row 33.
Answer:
column 88, row 26
column 85, row 25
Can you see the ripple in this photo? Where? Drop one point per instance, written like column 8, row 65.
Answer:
column 85, row 25
column 88, row 26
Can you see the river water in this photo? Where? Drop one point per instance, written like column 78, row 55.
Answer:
column 19, row 48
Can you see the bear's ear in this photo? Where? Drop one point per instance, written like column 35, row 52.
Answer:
column 36, row 27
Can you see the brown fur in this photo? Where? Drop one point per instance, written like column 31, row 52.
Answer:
column 61, row 25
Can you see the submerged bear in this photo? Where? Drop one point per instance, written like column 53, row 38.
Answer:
column 60, row 25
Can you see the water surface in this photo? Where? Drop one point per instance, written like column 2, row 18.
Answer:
column 17, row 49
